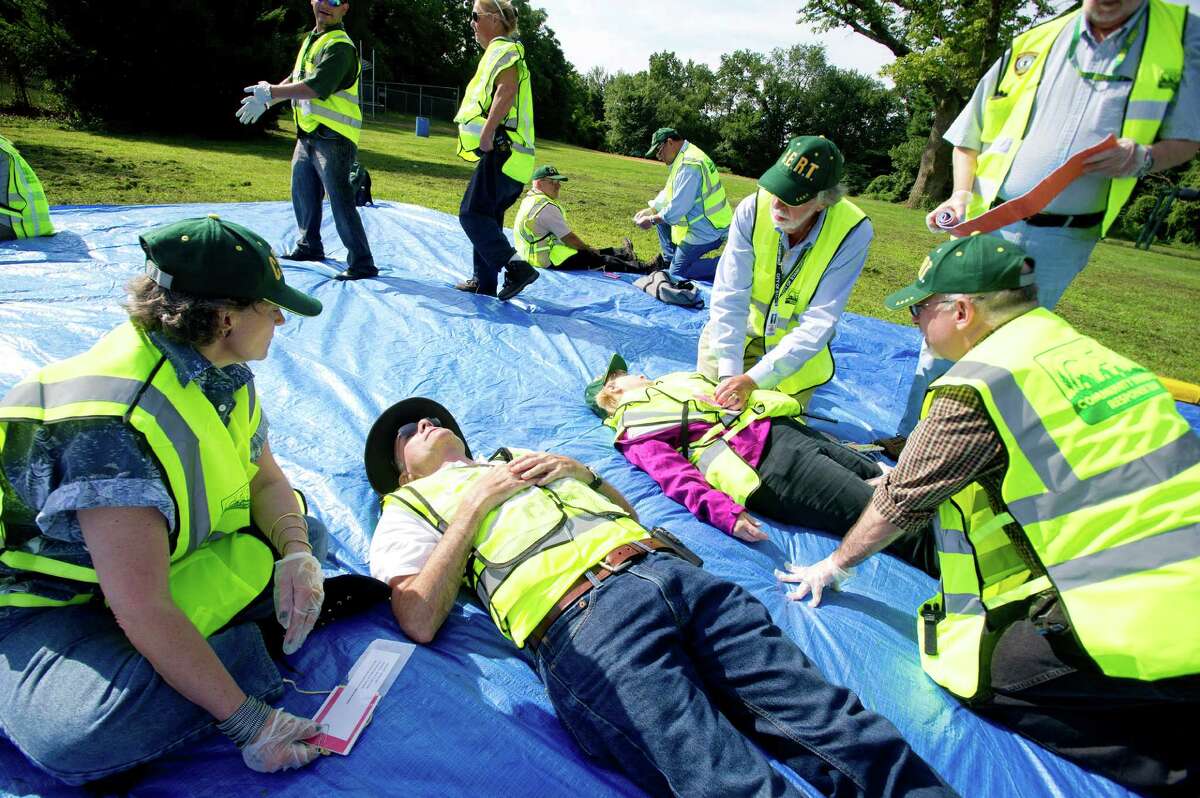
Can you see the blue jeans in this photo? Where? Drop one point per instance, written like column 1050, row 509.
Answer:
column 81, row 703
column 686, row 259
column 679, row 678
column 321, row 166
column 489, row 194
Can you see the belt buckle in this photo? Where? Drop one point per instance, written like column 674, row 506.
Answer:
column 1070, row 218
column 622, row 565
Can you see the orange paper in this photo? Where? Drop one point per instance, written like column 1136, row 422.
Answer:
column 1032, row 201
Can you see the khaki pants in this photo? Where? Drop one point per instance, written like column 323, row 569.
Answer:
column 706, row 360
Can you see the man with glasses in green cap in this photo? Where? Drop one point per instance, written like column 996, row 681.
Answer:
column 691, row 213
column 153, row 555
column 796, row 247
column 1064, row 488
column 545, row 240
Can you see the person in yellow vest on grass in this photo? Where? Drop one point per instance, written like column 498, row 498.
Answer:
column 796, row 248
column 691, row 214
column 1129, row 68
column 1064, row 488
column 495, row 132
column 153, row 555
column 323, row 90
column 24, row 211
column 657, row 667
column 545, row 240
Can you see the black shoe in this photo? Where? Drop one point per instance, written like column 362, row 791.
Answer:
column 517, row 276
column 357, row 274
column 627, row 249
column 471, row 286
column 304, row 254
column 892, row 446
column 658, row 264
column 350, row 594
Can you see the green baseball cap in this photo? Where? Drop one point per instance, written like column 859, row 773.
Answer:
column 808, row 165
column 661, row 135
column 615, row 364
column 974, row 264
column 210, row 257
column 548, row 172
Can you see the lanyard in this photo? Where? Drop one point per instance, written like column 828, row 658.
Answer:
column 781, row 285
column 1130, row 38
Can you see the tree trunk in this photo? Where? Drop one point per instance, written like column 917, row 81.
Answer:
column 934, row 178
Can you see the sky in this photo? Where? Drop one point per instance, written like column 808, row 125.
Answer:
column 621, row 34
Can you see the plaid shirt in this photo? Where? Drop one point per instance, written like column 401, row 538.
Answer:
column 954, row 445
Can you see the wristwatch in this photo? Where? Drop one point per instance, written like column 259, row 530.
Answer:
column 597, row 480
column 1147, row 162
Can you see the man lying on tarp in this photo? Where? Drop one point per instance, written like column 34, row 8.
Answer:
column 24, row 212
column 724, row 464
column 655, row 666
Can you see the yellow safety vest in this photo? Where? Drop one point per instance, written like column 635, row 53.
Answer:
column 215, row 570
column 796, row 290
column 1007, row 113
column 24, row 203
column 710, row 201
column 501, row 54
column 541, row 251
column 339, row 111
column 681, row 398
column 528, row 551
column 1103, row 483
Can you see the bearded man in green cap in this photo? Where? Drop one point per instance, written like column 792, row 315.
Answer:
column 1064, row 488
column 796, row 247
column 691, row 213
column 151, row 548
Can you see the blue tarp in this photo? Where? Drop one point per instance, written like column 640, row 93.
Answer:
column 468, row 716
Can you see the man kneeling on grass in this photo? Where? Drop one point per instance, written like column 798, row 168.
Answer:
column 657, row 667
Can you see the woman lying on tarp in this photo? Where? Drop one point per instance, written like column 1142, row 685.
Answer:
column 140, row 595
column 723, row 465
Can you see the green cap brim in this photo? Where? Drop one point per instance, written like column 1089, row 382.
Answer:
column 908, row 295
column 615, row 363
column 778, row 181
column 294, row 301
column 653, row 149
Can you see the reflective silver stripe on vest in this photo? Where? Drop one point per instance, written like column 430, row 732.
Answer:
column 1164, row 463
column 348, row 95
column 1065, row 491
column 964, row 604
column 521, row 148
column 1146, row 110
column 762, row 307
column 27, row 195
column 252, row 394
column 473, row 129
column 322, row 111
column 711, row 453
column 952, row 541
column 1159, row 551
column 120, row 390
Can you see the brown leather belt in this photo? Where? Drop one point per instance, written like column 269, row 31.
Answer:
column 614, row 562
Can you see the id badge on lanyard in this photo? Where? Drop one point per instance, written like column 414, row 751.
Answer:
column 781, row 285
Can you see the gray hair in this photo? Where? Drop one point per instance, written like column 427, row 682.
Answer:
column 997, row 308
column 833, row 195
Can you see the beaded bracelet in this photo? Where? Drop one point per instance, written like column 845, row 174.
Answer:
column 244, row 725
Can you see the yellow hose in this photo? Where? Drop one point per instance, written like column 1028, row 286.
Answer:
column 1183, row 391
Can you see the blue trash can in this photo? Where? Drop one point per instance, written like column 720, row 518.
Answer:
column 423, row 126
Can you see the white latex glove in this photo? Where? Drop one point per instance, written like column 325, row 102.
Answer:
column 1123, row 160
column 252, row 108
column 956, row 206
column 279, row 745
column 814, row 578
column 261, row 92
column 299, row 591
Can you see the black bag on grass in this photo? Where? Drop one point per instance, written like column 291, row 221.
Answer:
column 360, row 181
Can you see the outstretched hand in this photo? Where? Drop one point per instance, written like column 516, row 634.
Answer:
column 814, row 579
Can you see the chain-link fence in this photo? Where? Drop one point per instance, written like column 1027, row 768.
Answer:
column 416, row 99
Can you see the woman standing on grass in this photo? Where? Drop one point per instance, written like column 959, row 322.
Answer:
column 495, row 130
column 142, row 517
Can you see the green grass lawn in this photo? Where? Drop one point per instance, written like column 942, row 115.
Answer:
column 1143, row 304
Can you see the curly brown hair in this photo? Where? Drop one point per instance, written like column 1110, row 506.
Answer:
column 184, row 317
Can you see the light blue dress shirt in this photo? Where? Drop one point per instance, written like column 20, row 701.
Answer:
column 688, row 184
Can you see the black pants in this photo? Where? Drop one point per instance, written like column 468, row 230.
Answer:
column 812, row 481
column 481, row 214
column 608, row 259
column 1139, row 734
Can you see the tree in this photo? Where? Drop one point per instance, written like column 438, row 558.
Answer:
column 668, row 93
column 941, row 48
column 23, row 36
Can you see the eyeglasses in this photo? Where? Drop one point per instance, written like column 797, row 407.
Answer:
column 475, row 15
column 407, row 431
column 916, row 309
column 331, row 3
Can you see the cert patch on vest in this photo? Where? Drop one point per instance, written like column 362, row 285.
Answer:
column 238, row 500
column 1097, row 382
column 1024, row 62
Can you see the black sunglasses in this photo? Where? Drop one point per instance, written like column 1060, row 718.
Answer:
column 407, row 431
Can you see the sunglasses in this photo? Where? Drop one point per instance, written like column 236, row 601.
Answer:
column 916, row 309
column 331, row 3
column 407, row 431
